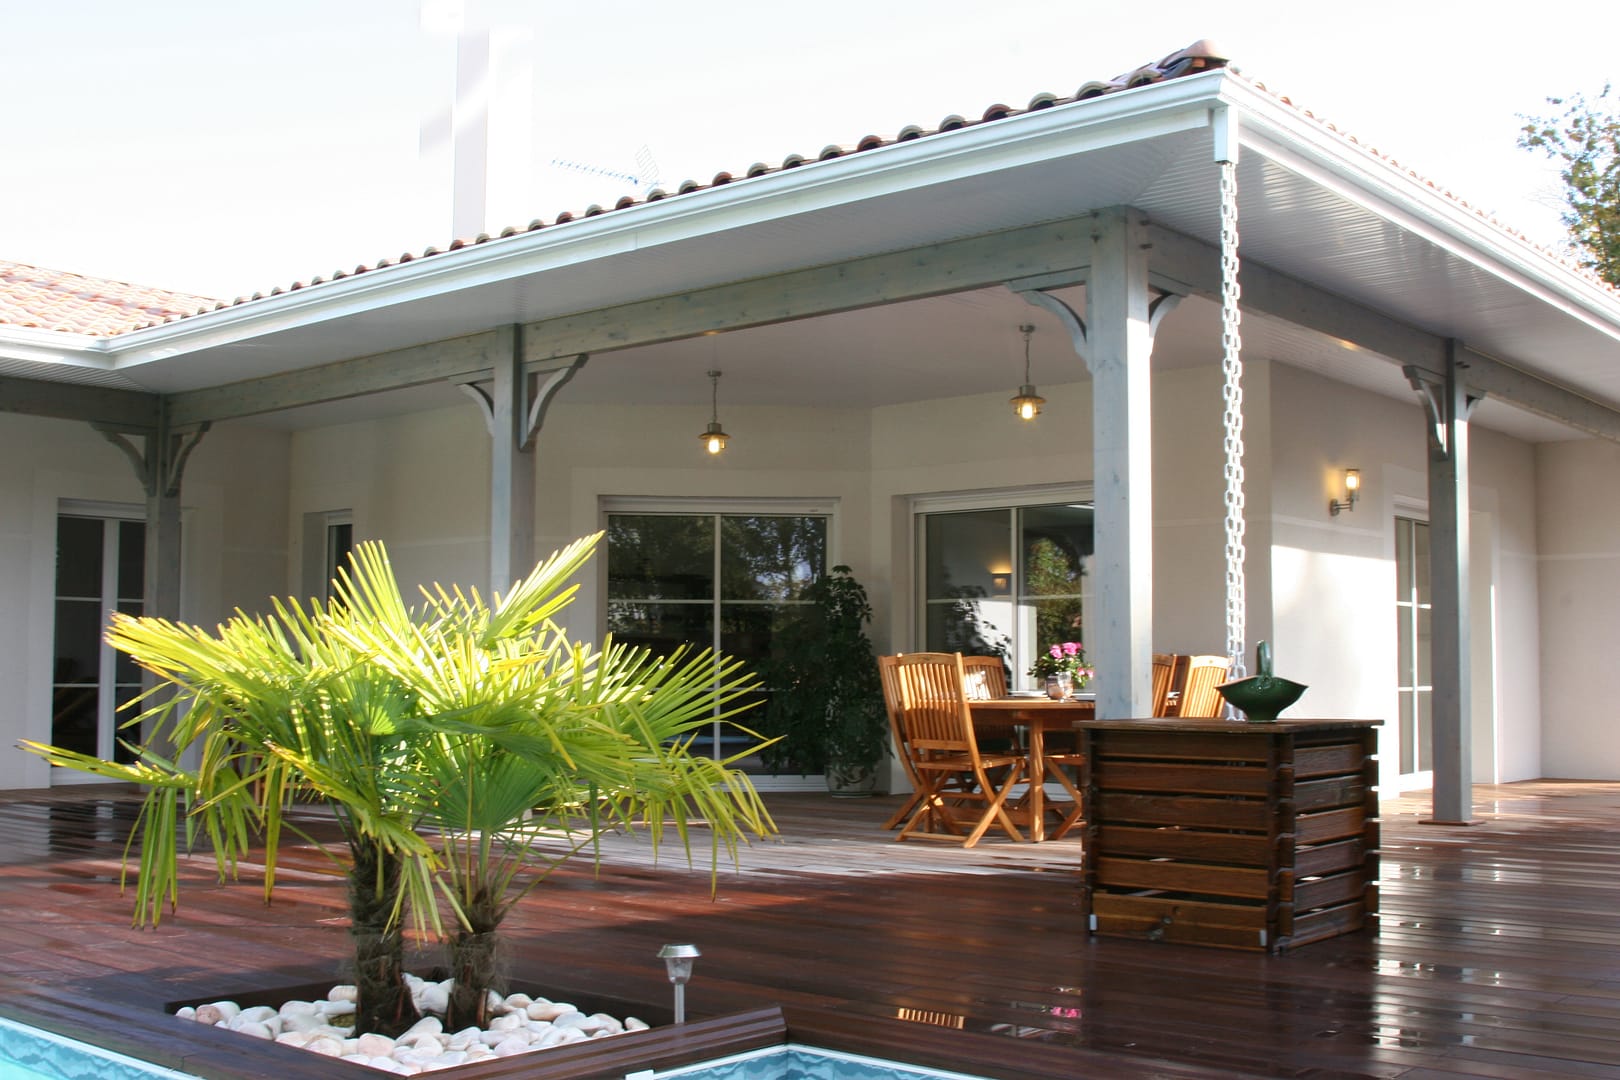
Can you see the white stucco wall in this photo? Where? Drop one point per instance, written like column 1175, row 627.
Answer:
column 233, row 517
column 1580, row 590
column 1334, row 577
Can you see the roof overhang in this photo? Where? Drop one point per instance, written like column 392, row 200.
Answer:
column 1316, row 209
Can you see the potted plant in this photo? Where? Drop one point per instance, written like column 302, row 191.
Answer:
column 1063, row 667
column 826, row 703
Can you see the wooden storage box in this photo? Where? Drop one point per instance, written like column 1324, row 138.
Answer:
column 1217, row 832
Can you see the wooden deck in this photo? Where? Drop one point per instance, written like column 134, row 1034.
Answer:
column 1498, row 954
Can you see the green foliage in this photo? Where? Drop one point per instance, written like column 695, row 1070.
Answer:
column 465, row 749
column 826, row 703
column 1584, row 139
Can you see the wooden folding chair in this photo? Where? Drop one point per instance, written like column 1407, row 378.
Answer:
column 894, row 702
column 984, row 677
column 1164, row 680
column 1199, row 698
column 937, row 737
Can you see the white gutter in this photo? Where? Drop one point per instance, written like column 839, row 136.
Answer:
column 1303, row 146
column 1142, row 113
column 55, row 348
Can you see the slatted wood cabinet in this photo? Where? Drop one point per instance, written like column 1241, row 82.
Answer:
column 1218, row 832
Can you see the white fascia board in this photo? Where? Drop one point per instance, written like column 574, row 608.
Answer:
column 54, row 347
column 1304, row 146
column 1116, row 119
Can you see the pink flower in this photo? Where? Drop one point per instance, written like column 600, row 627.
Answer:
column 1057, row 652
column 1071, row 648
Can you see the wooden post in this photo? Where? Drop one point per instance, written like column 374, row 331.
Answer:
column 1448, row 405
column 1119, row 345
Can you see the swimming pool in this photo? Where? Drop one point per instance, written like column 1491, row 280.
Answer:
column 28, row 1053
column 31, row 1054
column 795, row 1062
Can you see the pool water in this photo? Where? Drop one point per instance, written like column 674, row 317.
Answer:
column 794, row 1062
column 31, row 1054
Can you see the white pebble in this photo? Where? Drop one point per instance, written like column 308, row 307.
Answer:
column 186, row 1012
column 295, row 1038
column 635, row 1023
column 517, row 1001
column 573, row 1019
column 325, row 1044
column 571, row 1035
column 512, row 1044
column 428, row 1025
column 260, row 1013
column 257, row 1029
column 344, row 993
column 548, row 1010
column 372, row 1044
column 509, row 1022
column 331, row 1009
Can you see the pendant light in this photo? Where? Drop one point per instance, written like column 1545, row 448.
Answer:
column 1027, row 403
column 714, row 436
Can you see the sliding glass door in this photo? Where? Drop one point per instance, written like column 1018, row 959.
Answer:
column 1005, row 581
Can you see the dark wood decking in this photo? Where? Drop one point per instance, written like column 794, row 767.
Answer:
column 1498, row 955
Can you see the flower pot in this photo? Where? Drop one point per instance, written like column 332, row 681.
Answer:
column 851, row 781
column 1059, row 686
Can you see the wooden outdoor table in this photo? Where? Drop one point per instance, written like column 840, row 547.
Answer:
column 1039, row 715
column 1222, row 832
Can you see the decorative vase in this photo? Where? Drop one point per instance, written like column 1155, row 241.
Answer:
column 1059, row 686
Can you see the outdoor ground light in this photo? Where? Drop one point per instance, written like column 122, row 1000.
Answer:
column 714, row 436
column 678, row 962
column 1027, row 403
column 1352, row 489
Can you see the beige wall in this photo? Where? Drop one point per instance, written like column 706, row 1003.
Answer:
column 1580, row 590
column 233, row 520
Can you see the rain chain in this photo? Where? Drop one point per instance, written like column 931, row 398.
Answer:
column 1232, row 367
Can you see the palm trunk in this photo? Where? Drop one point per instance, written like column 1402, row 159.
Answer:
column 474, row 965
column 385, row 1006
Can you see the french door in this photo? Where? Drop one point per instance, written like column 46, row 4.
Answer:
column 725, row 581
column 100, row 568
column 1414, row 681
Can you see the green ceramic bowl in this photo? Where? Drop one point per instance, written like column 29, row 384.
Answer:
column 1261, row 697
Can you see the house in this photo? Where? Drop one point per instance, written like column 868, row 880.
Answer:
column 864, row 310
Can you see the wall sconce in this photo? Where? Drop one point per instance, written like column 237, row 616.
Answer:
column 1000, row 578
column 714, row 436
column 678, row 962
column 1352, row 491
column 1027, row 403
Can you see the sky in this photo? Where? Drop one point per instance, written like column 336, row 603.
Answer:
column 224, row 148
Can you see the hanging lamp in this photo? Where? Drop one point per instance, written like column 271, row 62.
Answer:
column 714, row 436
column 1027, row 403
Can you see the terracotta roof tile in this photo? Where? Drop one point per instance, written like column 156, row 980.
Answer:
column 56, row 300
column 1200, row 56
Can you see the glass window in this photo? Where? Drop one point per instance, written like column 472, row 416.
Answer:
column 978, row 599
column 721, row 581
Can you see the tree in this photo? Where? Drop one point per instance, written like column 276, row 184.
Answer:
column 449, row 740
column 1585, row 141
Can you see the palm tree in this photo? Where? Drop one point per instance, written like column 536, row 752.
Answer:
column 432, row 734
